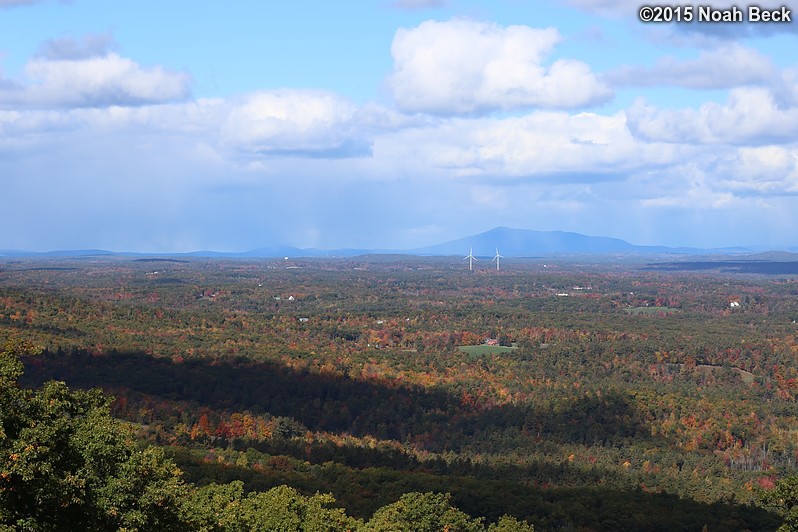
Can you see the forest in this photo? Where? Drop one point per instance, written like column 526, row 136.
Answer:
column 564, row 395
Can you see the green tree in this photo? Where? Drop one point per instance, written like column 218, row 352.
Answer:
column 510, row 524
column 282, row 509
column 422, row 512
column 65, row 464
column 784, row 499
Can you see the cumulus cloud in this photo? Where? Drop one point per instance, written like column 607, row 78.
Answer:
column 539, row 147
column 94, row 82
column 696, row 197
column 69, row 48
column 751, row 116
column 25, row 131
column 726, row 67
column 374, row 118
column 730, row 176
column 291, row 121
column 174, row 160
column 463, row 66
column 760, row 170
column 785, row 88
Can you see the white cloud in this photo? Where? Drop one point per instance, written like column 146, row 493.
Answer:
column 692, row 198
column 291, row 121
column 172, row 161
column 31, row 131
column 465, row 66
column 751, row 116
column 228, row 157
column 90, row 45
column 725, row 67
column 374, row 118
column 540, row 146
column 735, row 177
column 94, row 82
column 761, row 170
column 785, row 88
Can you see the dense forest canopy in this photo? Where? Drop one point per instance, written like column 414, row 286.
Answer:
column 567, row 395
column 66, row 464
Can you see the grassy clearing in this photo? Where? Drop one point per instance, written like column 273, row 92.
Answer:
column 485, row 349
column 746, row 376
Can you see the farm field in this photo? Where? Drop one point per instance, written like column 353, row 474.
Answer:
column 367, row 378
column 477, row 350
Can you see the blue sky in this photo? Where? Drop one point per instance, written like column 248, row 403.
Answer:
column 179, row 126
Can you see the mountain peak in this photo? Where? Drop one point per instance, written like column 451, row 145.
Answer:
column 528, row 243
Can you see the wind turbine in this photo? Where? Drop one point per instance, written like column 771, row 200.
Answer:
column 471, row 258
column 497, row 257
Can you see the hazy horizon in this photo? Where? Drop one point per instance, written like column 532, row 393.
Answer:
column 391, row 124
column 281, row 248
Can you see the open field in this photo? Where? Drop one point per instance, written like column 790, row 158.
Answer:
column 486, row 349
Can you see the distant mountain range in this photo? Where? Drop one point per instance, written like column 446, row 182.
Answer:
column 526, row 243
column 509, row 242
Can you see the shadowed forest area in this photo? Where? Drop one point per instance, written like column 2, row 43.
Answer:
column 346, row 377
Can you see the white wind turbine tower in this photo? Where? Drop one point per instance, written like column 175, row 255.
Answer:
column 497, row 257
column 471, row 258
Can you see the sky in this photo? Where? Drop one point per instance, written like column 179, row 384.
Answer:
column 180, row 126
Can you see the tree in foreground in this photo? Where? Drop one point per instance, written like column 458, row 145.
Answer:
column 433, row 512
column 65, row 463
column 225, row 507
column 784, row 498
column 422, row 512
